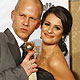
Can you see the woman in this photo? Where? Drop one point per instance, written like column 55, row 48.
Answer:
column 56, row 25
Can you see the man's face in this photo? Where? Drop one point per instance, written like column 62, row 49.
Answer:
column 25, row 19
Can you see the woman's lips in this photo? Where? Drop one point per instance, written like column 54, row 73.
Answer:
column 48, row 35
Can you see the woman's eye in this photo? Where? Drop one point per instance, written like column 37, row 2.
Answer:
column 47, row 24
column 57, row 27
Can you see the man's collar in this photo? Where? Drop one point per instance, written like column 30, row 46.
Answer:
column 19, row 41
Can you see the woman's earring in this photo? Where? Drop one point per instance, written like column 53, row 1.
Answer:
column 63, row 43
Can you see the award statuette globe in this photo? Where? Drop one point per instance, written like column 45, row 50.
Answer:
column 29, row 47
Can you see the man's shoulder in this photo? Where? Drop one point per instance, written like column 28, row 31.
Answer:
column 3, row 37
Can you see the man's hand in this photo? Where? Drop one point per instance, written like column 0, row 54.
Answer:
column 29, row 64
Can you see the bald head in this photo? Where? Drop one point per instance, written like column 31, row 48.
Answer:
column 35, row 2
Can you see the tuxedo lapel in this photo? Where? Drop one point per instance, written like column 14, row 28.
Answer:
column 13, row 46
column 15, row 53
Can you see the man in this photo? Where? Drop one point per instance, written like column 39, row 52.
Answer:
column 25, row 18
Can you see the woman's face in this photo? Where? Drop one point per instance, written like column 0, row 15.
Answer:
column 52, row 29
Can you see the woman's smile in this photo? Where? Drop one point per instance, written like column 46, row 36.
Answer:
column 48, row 35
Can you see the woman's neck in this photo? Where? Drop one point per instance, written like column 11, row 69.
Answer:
column 48, row 49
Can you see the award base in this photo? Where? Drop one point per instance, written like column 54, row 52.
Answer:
column 33, row 76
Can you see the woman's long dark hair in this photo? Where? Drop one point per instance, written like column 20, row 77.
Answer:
column 66, row 19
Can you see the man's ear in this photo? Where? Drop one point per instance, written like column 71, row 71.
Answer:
column 12, row 14
column 39, row 23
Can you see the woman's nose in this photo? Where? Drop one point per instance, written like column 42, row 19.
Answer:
column 50, row 30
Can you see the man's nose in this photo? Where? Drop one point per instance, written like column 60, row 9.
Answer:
column 26, row 21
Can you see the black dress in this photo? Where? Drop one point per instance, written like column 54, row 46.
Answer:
column 44, row 75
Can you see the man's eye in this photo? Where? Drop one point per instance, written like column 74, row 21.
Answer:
column 21, row 15
column 47, row 24
column 32, row 18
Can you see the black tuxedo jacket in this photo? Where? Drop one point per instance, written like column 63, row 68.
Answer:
column 10, row 68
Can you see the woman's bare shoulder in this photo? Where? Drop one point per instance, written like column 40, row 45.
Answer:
column 57, row 60
column 58, row 66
